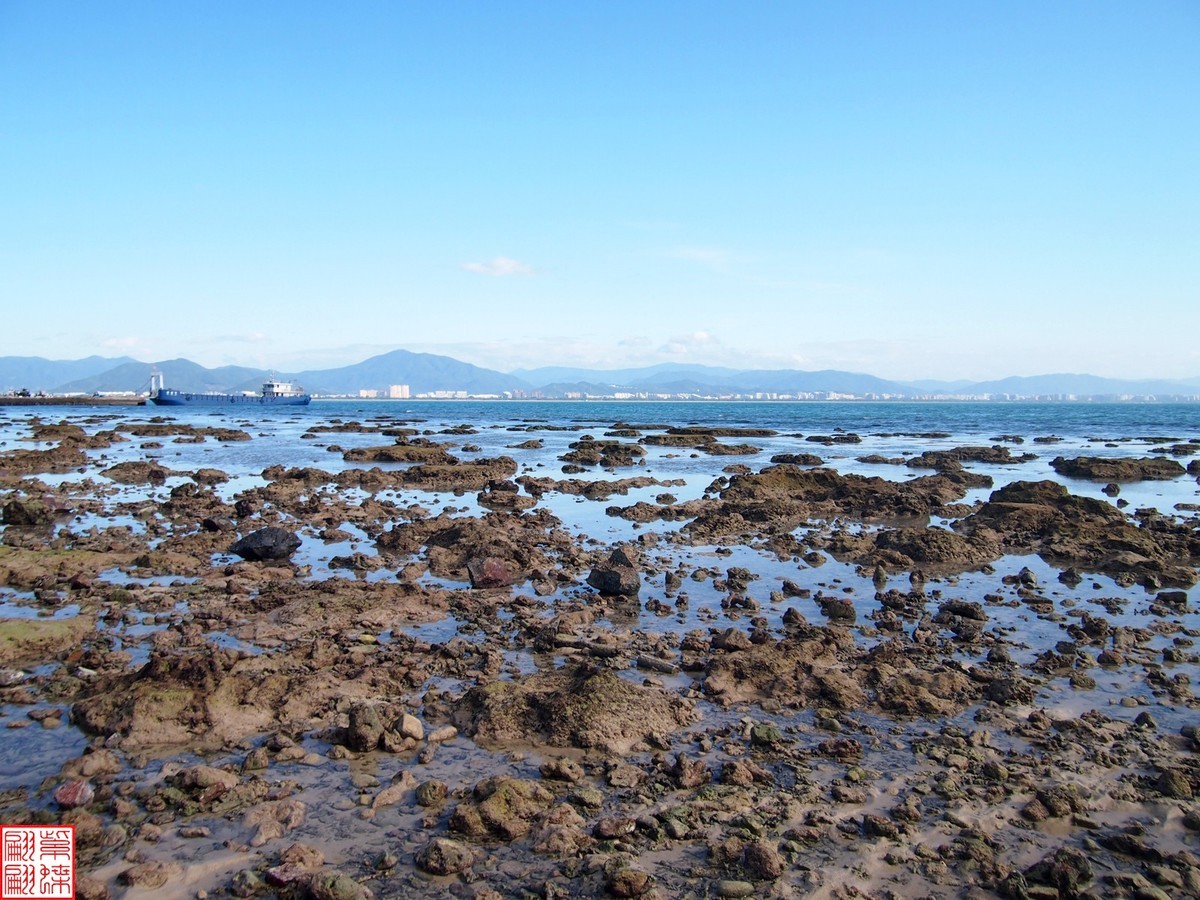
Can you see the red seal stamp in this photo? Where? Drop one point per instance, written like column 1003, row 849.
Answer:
column 37, row 862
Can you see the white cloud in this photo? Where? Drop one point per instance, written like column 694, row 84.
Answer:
column 692, row 344
column 499, row 267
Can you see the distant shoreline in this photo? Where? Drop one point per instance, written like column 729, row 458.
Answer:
column 9, row 400
column 849, row 400
column 71, row 401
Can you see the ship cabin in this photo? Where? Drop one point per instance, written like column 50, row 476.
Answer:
column 281, row 389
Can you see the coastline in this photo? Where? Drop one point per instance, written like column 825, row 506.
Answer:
column 8, row 400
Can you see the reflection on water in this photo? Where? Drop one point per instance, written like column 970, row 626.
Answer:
column 33, row 752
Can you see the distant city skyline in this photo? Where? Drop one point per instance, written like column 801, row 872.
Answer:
column 916, row 191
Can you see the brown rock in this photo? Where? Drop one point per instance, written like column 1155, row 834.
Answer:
column 762, row 862
column 1118, row 470
column 1174, row 783
column 442, row 856
column 576, row 706
column 101, row 761
column 628, row 882
column 613, row 827
column 394, row 792
column 562, row 769
column 615, row 581
column 491, row 572
column 744, row 772
column 336, row 886
column 504, row 808
column 203, row 777
column 690, row 773
column 366, row 727
column 89, row 888
column 274, row 820
column 880, row 826
column 295, row 863
column 432, row 793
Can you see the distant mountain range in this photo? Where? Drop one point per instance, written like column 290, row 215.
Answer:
column 426, row 373
column 422, row 372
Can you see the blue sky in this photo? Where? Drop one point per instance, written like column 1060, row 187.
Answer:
column 915, row 189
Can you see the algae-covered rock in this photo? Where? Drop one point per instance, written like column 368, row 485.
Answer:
column 503, row 809
column 24, row 641
column 27, row 514
column 336, row 886
column 442, row 856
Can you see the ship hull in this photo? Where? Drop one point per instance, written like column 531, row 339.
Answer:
column 168, row 397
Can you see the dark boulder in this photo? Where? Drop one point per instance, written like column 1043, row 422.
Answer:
column 798, row 459
column 618, row 575
column 1066, row 869
column 366, row 728
column 267, row 543
column 615, row 580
